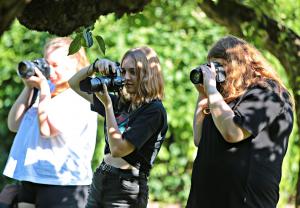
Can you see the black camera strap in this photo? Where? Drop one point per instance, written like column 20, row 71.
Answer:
column 34, row 96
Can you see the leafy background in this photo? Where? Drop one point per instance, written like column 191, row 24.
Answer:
column 181, row 34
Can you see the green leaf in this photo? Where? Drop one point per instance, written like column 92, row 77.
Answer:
column 101, row 43
column 83, row 43
column 75, row 45
column 87, row 35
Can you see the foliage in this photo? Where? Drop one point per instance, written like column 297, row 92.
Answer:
column 84, row 38
column 286, row 12
column 181, row 34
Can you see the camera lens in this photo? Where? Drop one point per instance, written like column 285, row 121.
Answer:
column 196, row 76
column 96, row 84
column 26, row 69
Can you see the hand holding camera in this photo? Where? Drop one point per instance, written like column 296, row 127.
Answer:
column 112, row 78
column 34, row 72
column 37, row 81
column 196, row 75
column 104, row 66
column 26, row 69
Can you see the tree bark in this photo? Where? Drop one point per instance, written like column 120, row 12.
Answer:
column 279, row 40
column 9, row 9
column 62, row 17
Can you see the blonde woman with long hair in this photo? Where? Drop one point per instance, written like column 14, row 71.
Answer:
column 135, row 128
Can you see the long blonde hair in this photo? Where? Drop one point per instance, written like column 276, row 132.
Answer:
column 150, row 84
column 244, row 65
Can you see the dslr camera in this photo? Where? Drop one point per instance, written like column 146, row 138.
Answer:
column 196, row 75
column 113, row 81
column 26, row 68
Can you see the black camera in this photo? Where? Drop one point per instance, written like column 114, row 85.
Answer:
column 196, row 75
column 113, row 81
column 26, row 68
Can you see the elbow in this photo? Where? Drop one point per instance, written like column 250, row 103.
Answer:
column 12, row 126
column 232, row 137
column 45, row 134
column 229, row 138
column 196, row 141
column 116, row 152
column 71, row 83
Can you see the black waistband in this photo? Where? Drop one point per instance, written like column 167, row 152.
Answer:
column 111, row 169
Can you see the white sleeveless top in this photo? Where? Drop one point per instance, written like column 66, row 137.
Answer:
column 64, row 159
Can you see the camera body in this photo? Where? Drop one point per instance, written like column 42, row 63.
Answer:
column 26, row 68
column 113, row 81
column 196, row 75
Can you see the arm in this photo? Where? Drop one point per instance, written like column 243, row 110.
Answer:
column 101, row 66
column 75, row 80
column 119, row 147
column 19, row 108
column 46, row 128
column 223, row 115
column 40, row 82
column 221, row 112
column 199, row 115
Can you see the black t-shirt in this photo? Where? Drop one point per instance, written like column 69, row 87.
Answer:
column 247, row 173
column 144, row 127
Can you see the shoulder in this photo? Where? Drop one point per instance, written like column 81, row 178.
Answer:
column 265, row 91
column 155, row 106
column 266, row 95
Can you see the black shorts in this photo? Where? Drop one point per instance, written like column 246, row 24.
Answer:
column 53, row 196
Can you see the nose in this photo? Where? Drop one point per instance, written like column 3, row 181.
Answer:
column 52, row 70
column 127, row 77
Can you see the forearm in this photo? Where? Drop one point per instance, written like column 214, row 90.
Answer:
column 43, row 110
column 223, row 115
column 114, row 135
column 198, row 121
column 19, row 108
column 76, row 78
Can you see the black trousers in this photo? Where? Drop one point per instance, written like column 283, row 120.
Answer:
column 52, row 196
column 113, row 187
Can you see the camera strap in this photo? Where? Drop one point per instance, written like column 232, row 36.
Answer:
column 34, row 96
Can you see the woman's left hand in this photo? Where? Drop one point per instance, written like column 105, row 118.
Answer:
column 104, row 97
column 209, row 78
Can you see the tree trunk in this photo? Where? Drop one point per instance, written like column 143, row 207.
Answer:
column 279, row 40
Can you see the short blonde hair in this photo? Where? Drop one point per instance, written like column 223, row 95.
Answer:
column 64, row 42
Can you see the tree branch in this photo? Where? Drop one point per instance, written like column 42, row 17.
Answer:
column 8, row 11
column 62, row 17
